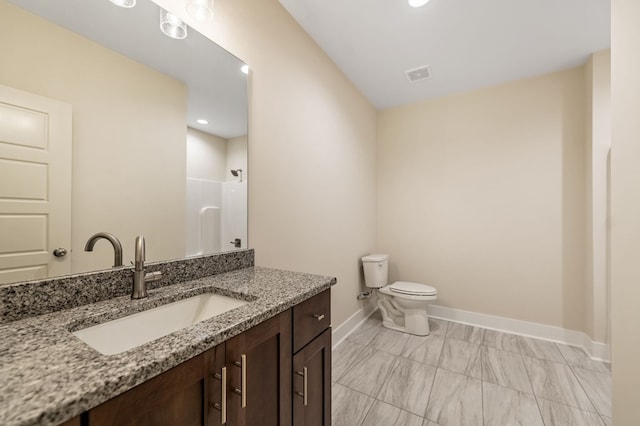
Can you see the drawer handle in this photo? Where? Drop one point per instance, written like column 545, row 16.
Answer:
column 305, row 385
column 243, row 372
column 319, row 317
column 222, row 407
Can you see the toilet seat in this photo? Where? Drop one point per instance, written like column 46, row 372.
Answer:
column 412, row 289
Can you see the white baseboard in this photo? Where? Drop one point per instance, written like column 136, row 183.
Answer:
column 342, row 331
column 598, row 351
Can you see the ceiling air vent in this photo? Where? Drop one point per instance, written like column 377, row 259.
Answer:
column 420, row 73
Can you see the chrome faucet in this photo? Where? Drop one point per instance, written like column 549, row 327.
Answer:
column 117, row 247
column 140, row 278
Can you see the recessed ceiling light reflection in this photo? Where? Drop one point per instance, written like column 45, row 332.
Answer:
column 172, row 26
column 200, row 10
column 245, row 69
column 202, row 121
column 124, row 3
column 418, row 3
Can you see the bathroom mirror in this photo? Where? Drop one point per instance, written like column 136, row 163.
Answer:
column 108, row 125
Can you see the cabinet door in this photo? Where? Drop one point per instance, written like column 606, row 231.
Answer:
column 312, row 383
column 172, row 398
column 262, row 355
column 215, row 411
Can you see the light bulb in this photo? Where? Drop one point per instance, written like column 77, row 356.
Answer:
column 200, row 10
column 124, row 3
column 172, row 26
column 418, row 3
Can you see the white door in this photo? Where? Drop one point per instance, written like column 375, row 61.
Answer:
column 35, row 186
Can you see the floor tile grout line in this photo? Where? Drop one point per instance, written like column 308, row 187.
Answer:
column 526, row 370
column 573, row 407
column 444, row 342
column 569, row 363
column 482, row 395
column 507, row 387
column 348, row 365
column 574, row 375
column 562, row 354
column 364, row 394
column 364, row 418
column 433, row 380
column 430, row 389
column 399, row 408
column 376, row 399
column 568, row 405
column 396, row 363
column 595, row 407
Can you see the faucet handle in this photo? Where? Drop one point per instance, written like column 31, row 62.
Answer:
column 153, row 276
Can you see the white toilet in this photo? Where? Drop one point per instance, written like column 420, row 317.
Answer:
column 403, row 304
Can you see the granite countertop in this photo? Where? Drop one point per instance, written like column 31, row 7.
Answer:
column 49, row 376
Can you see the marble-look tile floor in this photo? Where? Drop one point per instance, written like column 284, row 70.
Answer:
column 463, row 375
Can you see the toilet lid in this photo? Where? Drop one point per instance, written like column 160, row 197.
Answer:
column 413, row 289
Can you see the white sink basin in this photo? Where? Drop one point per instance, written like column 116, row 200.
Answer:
column 126, row 333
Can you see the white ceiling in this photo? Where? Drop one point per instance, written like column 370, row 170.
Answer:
column 468, row 44
column 216, row 88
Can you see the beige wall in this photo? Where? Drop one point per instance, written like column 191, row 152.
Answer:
column 625, row 210
column 118, row 160
column 311, row 151
column 482, row 195
column 206, row 156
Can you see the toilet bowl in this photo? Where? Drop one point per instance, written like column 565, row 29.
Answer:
column 403, row 304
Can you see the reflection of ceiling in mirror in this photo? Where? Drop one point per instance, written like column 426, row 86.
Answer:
column 217, row 89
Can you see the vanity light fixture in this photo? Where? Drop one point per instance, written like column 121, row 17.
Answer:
column 202, row 121
column 418, row 3
column 245, row 69
column 124, row 3
column 172, row 26
column 200, row 10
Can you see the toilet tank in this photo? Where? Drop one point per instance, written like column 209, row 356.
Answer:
column 376, row 270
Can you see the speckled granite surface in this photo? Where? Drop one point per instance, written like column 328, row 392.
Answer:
column 49, row 376
column 22, row 300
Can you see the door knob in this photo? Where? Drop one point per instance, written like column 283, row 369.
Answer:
column 60, row 252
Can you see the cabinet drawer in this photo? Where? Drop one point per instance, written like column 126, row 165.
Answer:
column 310, row 318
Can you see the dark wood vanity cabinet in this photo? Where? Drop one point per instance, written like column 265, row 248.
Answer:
column 312, row 400
column 72, row 422
column 208, row 389
column 277, row 373
column 312, row 361
column 175, row 397
column 263, row 354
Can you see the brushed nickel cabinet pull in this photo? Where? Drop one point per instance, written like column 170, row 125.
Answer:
column 222, row 407
column 319, row 317
column 305, row 385
column 243, row 372
column 223, row 398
